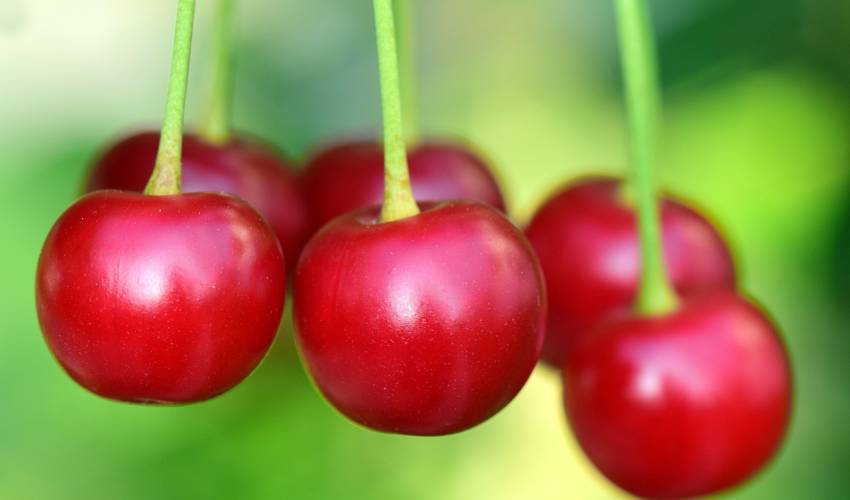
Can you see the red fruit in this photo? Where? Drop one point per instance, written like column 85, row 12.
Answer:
column 240, row 167
column 587, row 241
column 350, row 176
column 681, row 405
column 160, row 299
column 427, row 325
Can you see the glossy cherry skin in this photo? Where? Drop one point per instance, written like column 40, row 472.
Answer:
column 681, row 405
column 587, row 241
column 240, row 167
column 160, row 299
column 350, row 176
column 428, row 325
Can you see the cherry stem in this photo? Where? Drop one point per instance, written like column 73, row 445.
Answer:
column 165, row 179
column 399, row 202
column 217, row 129
column 406, row 36
column 637, row 49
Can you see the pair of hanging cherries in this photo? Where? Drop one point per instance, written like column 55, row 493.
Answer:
column 674, row 385
column 419, row 322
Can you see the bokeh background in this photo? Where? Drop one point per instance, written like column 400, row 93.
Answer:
column 757, row 133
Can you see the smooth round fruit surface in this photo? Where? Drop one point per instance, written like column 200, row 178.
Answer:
column 349, row 176
column 160, row 299
column 681, row 405
column 240, row 167
column 587, row 240
column 427, row 325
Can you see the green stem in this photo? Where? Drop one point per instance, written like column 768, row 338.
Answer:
column 217, row 129
column 637, row 48
column 165, row 178
column 406, row 36
column 398, row 196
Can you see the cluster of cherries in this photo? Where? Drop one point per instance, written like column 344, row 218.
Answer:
column 425, row 317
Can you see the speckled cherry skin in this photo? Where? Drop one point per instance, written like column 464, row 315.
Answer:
column 350, row 175
column 587, row 241
column 160, row 299
column 681, row 405
column 427, row 325
column 241, row 167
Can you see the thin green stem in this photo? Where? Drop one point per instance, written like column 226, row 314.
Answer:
column 398, row 196
column 637, row 48
column 217, row 129
column 165, row 178
column 406, row 36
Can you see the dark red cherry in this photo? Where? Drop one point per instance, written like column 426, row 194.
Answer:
column 240, row 167
column 160, row 299
column 587, row 240
column 681, row 405
column 427, row 325
column 349, row 176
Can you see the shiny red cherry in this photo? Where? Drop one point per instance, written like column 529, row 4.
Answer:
column 681, row 405
column 160, row 299
column 427, row 325
column 240, row 167
column 587, row 240
column 349, row 176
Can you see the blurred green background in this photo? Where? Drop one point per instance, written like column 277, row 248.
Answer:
column 757, row 132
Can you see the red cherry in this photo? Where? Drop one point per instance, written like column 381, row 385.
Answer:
column 350, row 176
column 681, row 405
column 160, row 299
column 587, row 241
column 427, row 325
column 240, row 167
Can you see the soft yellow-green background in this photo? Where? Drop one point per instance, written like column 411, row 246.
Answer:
column 757, row 133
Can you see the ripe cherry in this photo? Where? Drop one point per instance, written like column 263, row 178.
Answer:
column 160, row 299
column 425, row 325
column 680, row 405
column 348, row 176
column 238, row 166
column 412, row 322
column 586, row 237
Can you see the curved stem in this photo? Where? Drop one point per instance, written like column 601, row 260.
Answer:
column 398, row 196
column 217, row 129
column 637, row 48
column 406, row 36
column 165, row 178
